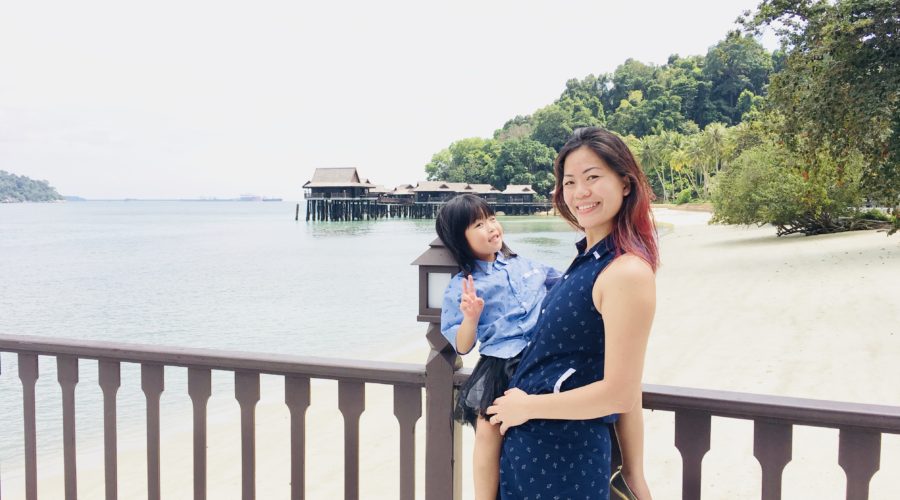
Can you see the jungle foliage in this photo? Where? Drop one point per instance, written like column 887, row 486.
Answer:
column 18, row 188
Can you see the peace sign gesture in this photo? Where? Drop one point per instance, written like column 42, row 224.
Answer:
column 470, row 304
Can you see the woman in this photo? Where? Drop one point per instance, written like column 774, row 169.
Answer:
column 585, row 362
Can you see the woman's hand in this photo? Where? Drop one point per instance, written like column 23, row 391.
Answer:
column 510, row 409
column 470, row 304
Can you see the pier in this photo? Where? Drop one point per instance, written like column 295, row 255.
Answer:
column 338, row 194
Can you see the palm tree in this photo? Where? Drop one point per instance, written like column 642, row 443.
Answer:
column 714, row 137
column 651, row 157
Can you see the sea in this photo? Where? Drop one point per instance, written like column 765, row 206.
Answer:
column 237, row 276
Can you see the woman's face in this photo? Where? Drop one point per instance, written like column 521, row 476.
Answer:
column 593, row 191
column 485, row 238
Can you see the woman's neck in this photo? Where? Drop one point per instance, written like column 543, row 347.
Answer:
column 594, row 235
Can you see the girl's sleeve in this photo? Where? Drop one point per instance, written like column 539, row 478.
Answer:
column 451, row 316
column 553, row 276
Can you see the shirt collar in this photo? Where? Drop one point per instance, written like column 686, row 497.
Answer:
column 487, row 267
column 598, row 250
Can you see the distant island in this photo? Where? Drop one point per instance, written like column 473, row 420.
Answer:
column 18, row 189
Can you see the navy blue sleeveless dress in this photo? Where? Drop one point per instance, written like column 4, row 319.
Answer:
column 562, row 459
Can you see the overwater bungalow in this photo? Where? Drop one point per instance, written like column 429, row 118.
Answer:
column 378, row 191
column 336, row 183
column 518, row 193
column 401, row 194
column 486, row 191
column 437, row 191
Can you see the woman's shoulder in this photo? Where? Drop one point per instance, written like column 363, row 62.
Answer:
column 628, row 268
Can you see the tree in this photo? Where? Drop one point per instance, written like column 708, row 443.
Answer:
column 466, row 160
column 733, row 65
column 552, row 126
column 472, row 160
column 769, row 184
column 651, row 158
column 18, row 188
column 524, row 161
column 586, row 97
column 438, row 169
column 629, row 76
column 839, row 89
column 518, row 127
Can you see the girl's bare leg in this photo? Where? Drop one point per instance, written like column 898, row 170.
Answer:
column 630, row 431
column 486, row 460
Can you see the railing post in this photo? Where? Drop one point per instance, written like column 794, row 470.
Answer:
column 692, row 430
column 67, row 376
column 28, row 374
column 407, row 409
column 199, row 390
column 153, row 384
column 109, row 374
column 859, row 454
column 772, row 445
column 442, row 439
column 296, row 396
column 246, row 391
column 351, row 403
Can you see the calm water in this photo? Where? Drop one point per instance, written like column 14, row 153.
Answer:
column 223, row 275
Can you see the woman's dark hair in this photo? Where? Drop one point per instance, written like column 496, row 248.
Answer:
column 452, row 221
column 634, row 230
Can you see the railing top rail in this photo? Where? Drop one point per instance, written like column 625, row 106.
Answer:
column 799, row 411
column 267, row 363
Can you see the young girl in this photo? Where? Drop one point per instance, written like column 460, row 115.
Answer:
column 501, row 316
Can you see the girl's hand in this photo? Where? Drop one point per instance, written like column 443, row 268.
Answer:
column 509, row 410
column 470, row 304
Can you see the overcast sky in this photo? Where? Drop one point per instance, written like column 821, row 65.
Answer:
column 173, row 99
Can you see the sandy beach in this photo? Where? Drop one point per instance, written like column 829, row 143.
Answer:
column 738, row 309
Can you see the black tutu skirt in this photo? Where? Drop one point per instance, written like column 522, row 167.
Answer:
column 489, row 379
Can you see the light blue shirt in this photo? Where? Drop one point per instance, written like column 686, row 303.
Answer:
column 513, row 289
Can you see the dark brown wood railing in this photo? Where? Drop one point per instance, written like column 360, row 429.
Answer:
column 860, row 426
column 408, row 381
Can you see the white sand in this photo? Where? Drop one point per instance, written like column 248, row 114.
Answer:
column 738, row 309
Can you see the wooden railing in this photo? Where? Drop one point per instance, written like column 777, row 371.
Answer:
column 407, row 380
column 860, row 426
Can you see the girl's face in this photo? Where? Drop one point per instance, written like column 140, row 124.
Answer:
column 485, row 238
column 593, row 192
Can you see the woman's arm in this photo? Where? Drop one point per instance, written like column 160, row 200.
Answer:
column 625, row 295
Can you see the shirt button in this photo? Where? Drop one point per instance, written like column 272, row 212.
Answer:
column 565, row 276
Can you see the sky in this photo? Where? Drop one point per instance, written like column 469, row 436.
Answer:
column 192, row 99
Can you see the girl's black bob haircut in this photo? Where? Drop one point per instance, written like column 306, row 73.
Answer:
column 452, row 221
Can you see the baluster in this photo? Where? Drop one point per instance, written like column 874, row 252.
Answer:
column 772, row 443
column 110, row 380
column 246, row 391
column 67, row 376
column 692, row 440
column 859, row 454
column 351, row 402
column 152, row 383
column 199, row 389
column 28, row 374
column 296, row 396
column 407, row 409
